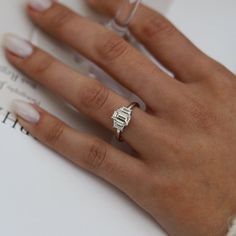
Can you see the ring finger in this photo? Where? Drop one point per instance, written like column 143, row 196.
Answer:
column 88, row 152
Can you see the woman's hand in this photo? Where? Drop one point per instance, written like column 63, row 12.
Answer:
column 185, row 169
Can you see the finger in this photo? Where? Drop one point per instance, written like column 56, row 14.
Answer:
column 106, row 49
column 87, row 95
column 163, row 40
column 88, row 152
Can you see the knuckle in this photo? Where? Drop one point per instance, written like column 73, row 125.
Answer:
column 96, row 156
column 112, row 48
column 203, row 117
column 221, row 79
column 60, row 18
column 223, row 88
column 174, row 144
column 168, row 188
column 213, row 70
column 54, row 133
column 94, row 97
column 156, row 27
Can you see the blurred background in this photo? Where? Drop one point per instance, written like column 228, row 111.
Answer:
column 210, row 24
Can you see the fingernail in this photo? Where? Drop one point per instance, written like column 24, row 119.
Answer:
column 17, row 45
column 40, row 5
column 26, row 111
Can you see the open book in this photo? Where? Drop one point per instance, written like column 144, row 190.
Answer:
column 41, row 193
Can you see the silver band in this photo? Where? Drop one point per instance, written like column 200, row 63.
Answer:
column 122, row 117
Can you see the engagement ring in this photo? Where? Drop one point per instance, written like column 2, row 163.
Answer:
column 122, row 117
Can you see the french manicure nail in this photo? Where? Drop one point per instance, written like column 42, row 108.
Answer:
column 26, row 111
column 40, row 5
column 17, row 45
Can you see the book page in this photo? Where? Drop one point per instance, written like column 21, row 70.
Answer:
column 10, row 79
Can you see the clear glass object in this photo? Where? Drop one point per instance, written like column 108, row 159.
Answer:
column 119, row 24
column 123, row 17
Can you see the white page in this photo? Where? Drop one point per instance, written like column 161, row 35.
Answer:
column 19, row 25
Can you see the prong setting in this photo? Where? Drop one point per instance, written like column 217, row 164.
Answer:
column 122, row 117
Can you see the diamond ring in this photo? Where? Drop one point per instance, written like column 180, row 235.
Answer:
column 122, row 117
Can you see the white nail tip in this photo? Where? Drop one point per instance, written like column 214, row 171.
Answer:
column 40, row 5
column 26, row 111
column 18, row 46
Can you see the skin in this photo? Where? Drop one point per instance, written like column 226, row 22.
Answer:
column 184, row 170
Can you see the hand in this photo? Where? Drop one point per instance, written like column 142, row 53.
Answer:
column 185, row 169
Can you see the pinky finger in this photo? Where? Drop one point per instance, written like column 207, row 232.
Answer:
column 90, row 153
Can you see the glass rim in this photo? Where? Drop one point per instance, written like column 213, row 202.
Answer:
column 130, row 14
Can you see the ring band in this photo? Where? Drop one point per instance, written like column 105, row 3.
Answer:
column 122, row 117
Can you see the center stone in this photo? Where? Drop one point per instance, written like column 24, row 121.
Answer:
column 121, row 118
